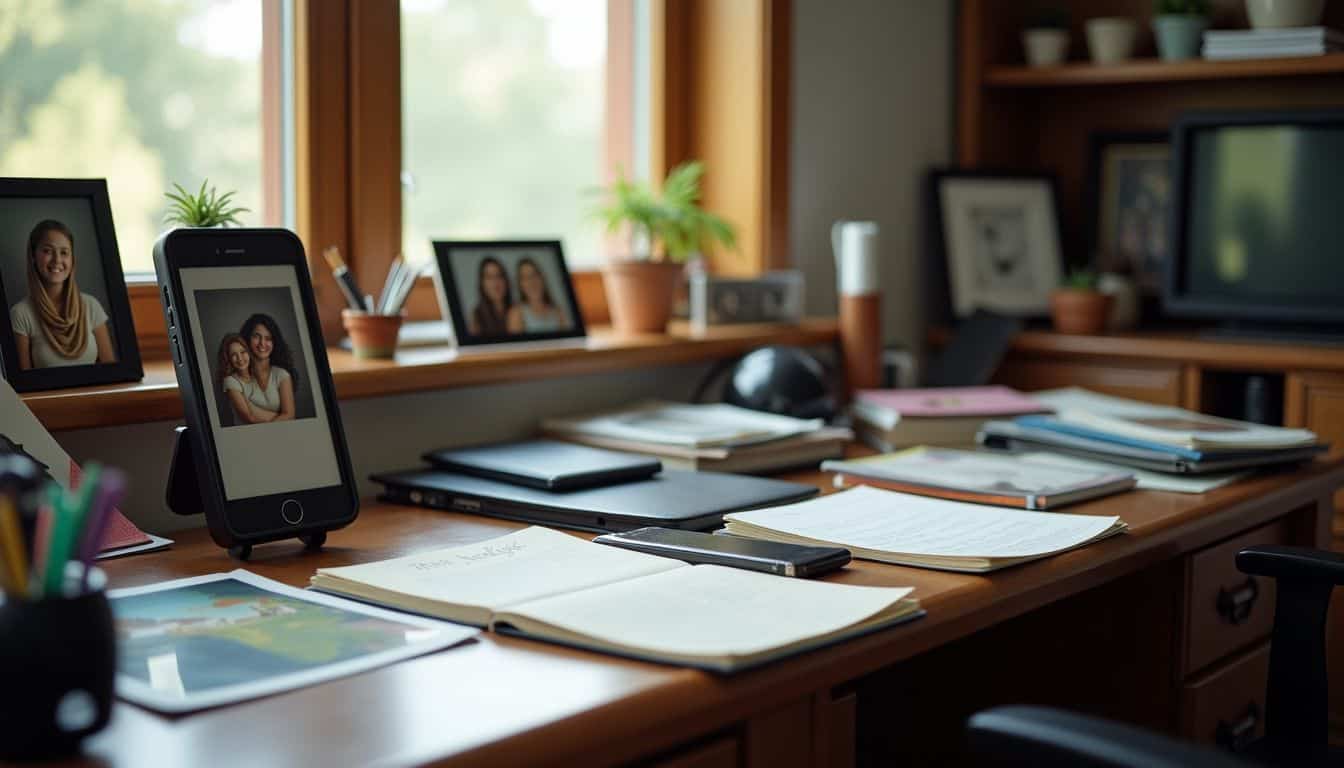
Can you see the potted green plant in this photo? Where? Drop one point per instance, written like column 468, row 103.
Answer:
column 663, row 230
column 1046, row 37
column 206, row 208
column 1077, row 306
column 1179, row 27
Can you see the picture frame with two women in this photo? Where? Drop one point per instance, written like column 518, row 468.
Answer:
column 505, row 292
column 67, row 316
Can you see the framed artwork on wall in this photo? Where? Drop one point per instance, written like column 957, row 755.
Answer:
column 1129, row 201
column 67, row 317
column 998, row 234
column 503, row 292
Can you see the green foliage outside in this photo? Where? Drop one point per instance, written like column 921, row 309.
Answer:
column 118, row 89
column 499, row 135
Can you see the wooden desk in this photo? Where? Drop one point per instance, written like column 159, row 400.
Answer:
column 1134, row 613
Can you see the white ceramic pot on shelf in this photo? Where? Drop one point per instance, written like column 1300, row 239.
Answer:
column 1110, row 39
column 1045, row 46
column 1274, row 14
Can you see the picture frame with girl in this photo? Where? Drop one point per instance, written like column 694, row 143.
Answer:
column 67, row 316
column 504, row 292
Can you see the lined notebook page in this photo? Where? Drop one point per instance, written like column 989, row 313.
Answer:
column 886, row 521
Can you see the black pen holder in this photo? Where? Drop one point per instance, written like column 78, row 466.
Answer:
column 58, row 659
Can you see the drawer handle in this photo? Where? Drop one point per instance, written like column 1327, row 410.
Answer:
column 1235, row 736
column 1235, row 605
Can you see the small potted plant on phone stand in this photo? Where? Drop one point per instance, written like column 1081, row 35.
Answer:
column 1179, row 26
column 206, row 208
column 663, row 231
column 1046, row 38
column 1078, row 306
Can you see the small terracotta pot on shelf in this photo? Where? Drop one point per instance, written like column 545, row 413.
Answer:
column 641, row 294
column 1079, row 311
column 371, row 336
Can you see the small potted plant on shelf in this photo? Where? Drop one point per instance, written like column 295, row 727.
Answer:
column 206, row 208
column 1077, row 306
column 1046, row 38
column 1179, row 27
column 663, row 231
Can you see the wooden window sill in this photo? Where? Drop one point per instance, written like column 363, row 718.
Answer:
column 155, row 398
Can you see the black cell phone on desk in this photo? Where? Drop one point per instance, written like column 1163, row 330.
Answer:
column 264, row 429
column 733, row 551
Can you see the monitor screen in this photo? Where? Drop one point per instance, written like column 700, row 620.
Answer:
column 1261, row 228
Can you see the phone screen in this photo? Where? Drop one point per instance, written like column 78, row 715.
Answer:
column 255, row 360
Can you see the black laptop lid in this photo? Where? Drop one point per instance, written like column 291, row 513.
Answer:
column 671, row 499
column 546, row 464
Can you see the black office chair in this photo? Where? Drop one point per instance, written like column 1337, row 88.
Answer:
column 1295, row 706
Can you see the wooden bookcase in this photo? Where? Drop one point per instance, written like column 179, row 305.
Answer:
column 1010, row 116
column 1016, row 117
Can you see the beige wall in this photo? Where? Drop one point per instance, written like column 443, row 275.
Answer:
column 872, row 110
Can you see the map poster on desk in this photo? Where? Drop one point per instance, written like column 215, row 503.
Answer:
column 210, row 640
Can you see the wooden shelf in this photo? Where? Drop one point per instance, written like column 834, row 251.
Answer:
column 1157, row 71
column 155, row 398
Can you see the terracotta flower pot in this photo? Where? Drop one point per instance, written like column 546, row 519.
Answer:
column 371, row 336
column 640, row 294
column 1075, row 311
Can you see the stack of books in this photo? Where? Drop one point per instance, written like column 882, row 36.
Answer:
column 1226, row 44
column 714, row 437
column 891, row 419
column 1156, row 437
column 983, row 478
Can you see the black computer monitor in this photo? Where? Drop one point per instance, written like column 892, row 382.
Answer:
column 1257, row 231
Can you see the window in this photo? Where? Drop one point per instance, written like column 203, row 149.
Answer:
column 147, row 93
column 512, row 111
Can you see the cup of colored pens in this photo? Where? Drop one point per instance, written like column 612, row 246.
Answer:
column 57, row 640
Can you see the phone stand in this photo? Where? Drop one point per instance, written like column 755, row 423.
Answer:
column 184, row 496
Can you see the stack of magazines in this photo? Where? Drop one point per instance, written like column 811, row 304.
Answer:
column 1225, row 44
column 711, row 436
column 1156, row 437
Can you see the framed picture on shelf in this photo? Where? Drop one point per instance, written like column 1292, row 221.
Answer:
column 504, row 292
column 998, row 234
column 1129, row 199
column 67, row 318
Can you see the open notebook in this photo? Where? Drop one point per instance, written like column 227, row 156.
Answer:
column 555, row 587
column 930, row 533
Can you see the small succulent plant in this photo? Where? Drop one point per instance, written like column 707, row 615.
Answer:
column 1080, row 280
column 1181, row 7
column 206, row 208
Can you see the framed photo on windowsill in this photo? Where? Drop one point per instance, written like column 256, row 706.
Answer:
column 67, row 317
column 1129, row 199
column 999, row 236
column 507, row 292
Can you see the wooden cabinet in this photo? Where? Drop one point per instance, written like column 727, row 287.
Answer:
column 1159, row 384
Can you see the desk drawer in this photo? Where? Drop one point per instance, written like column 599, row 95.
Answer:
column 1226, row 609
column 1227, row 706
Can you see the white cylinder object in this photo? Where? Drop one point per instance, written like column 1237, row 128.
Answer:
column 855, row 245
column 1274, row 14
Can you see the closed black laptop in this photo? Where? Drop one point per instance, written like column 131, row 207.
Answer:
column 670, row 499
column 546, row 464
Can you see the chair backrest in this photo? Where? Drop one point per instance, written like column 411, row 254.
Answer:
column 1297, row 701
